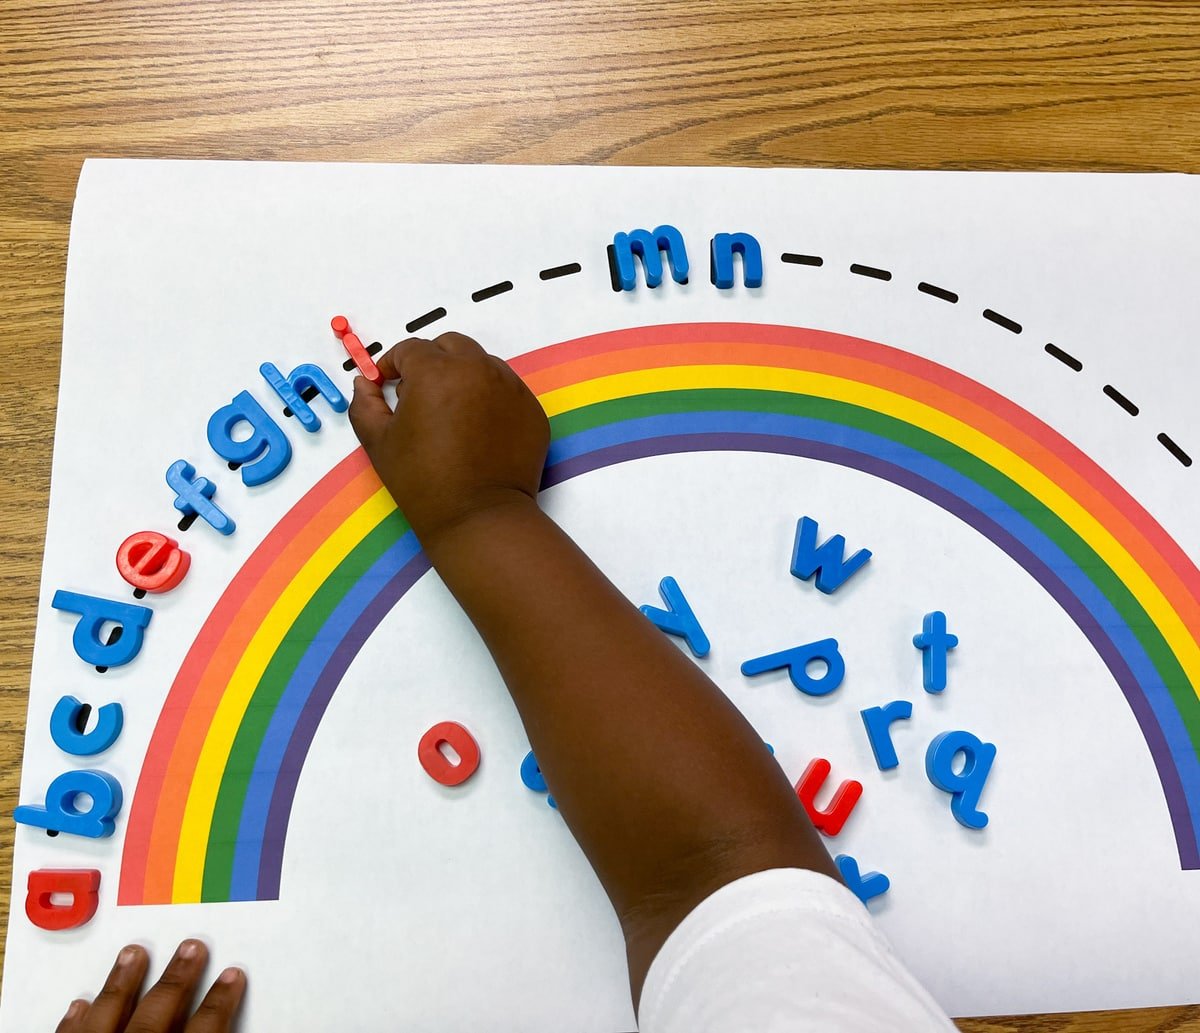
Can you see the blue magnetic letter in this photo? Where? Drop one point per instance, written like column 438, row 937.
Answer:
column 679, row 618
column 721, row 250
column 265, row 440
column 291, row 389
column 533, row 778
column 934, row 642
column 862, row 886
column 94, row 612
column 193, row 496
column 878, row 722
column 796, row 661
column 648, row 246
column 66, row 728
column 60, row 813
column 966, row 786
column 826, row 561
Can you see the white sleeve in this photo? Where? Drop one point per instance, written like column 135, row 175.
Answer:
column 783, row 950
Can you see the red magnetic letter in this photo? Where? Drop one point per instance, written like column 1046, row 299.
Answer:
column 82, row 883
column 152, row 561
column 437, row 766
column 354, row 347
column 830, row 820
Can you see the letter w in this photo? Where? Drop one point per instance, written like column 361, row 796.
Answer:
column 826, row 561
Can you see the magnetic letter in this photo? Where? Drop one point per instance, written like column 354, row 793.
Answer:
column 878, row 722
column 721, row 250
column 152, row 561
column 60, row 813
column 826, row 561
column 796, row 661
column 66, row 727
column 648, row 246
column 93, row 613
column 82, row 883
column 354, row 348
column 264, row 454
column 862, row 886
column 678, row 619
column 437, row 765
column 192, row 496
column 934, row 642
column 292, row 387
column 965, row 786
column 845, row 797
column 533, row 778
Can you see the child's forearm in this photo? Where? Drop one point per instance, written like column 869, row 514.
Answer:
column 668, row 789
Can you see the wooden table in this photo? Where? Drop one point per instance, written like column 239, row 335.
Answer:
column 1100, row 85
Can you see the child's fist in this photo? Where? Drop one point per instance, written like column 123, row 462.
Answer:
column 466, row 434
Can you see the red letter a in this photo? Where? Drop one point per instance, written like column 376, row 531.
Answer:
column 82, row 883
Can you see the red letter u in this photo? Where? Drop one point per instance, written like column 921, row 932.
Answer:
column 830, row 820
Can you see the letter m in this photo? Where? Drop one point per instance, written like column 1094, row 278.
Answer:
column 649, row 247
column 827, row 561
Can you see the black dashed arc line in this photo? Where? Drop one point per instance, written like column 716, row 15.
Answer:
column 788, row 258
column 1009, row 324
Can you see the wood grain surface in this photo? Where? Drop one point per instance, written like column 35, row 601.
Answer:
column 885, row 84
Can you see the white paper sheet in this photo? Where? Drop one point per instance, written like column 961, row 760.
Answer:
column 405, row 905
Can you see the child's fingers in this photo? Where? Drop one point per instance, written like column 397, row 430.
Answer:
column 73, row 1021
column 393, row 362
column 168, row 1000
column 369, row 412
column 114, row 1004
column 220, row 1004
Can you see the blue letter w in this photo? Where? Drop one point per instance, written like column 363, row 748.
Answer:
column 826, row 561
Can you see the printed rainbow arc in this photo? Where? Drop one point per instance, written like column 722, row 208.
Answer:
column 210, row 815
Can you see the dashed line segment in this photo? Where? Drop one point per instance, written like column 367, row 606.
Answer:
column 554, row 272
column 1011, row 325
column 1121, row 400
column 492, row 291
column 789, row 258
column 1065, row 358
column 937, row 292
column 421, row 322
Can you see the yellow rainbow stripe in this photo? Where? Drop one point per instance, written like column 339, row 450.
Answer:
column 202, row 797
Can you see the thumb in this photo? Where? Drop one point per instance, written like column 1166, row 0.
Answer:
column 369, row 413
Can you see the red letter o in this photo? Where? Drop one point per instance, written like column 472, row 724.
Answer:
column 437, row 766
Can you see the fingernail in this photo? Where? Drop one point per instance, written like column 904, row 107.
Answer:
column 75, row 1008
column 188, row 950
column 127, row 956
column 230, row 975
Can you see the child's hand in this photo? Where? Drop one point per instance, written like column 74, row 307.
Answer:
column 167, row 1005
column 467, row 434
